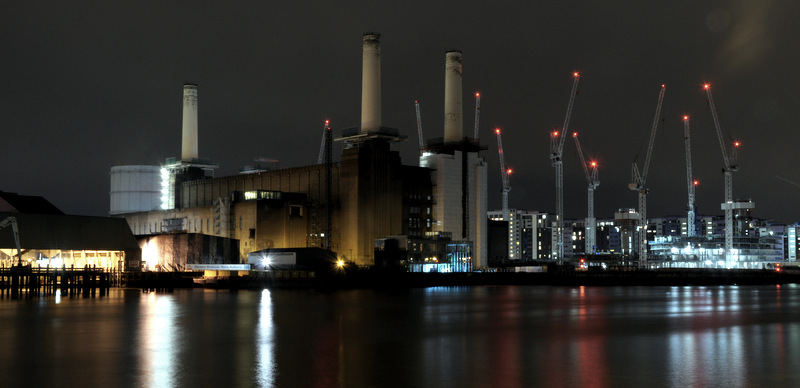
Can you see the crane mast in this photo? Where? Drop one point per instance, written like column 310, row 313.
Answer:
column 556, row 151
column 419, row 126
column 690, row 182
column 729, row 166
column 322, row 145
column 639, row 184
column 504, row 173
column 477, row 113
column 14, row 229
column 590, row 171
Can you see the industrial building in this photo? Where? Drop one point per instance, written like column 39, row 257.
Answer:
column 33, row 232
column 343, row 207
column 458, row 171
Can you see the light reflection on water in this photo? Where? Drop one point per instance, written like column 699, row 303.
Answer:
column 160, row 340
column 710, row 346
column 445, row 337
column 265, row 364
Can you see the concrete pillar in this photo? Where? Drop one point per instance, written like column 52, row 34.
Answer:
column 371, row 83
column 189, row 145
column 453, row 117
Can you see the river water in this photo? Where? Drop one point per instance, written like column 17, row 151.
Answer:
column 511, row 336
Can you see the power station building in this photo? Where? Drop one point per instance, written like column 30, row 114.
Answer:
column 346, row 207
column 458, row 171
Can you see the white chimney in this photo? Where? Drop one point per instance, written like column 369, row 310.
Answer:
column 453, row 123
column 189, row 144
column 371, row 83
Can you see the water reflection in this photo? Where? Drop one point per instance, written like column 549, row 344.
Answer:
column 708, row 342
column 478, row 336
column 265, row 358
column 160, row 339
column 591, row 357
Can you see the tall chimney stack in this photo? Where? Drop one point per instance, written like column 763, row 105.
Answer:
column 189, row 144
column 453, row 122
column 371, row 83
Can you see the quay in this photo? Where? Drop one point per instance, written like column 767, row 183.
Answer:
column 25, row 281
column 554, row 276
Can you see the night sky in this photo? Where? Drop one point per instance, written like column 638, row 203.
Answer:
column 89, row 85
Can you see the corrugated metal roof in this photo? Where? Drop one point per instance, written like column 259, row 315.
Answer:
column 29, row 204
column 48, row 231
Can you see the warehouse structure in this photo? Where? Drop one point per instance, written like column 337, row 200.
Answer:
column 48, row 237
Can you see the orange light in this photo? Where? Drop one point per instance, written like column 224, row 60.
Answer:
column 555, row 133
column 706, row 86
column 685, row 117
column 574, row 134
column 477, row 94
column 575, row 74
column 594, row 164
column 736, row 144
column 497, row 131
column 327, row 122
column 696, row 183
column 663, row 86
column 509, row 171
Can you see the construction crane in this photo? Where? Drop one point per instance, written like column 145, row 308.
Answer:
column 556, row 150
column 730, row 165
column 419, row 126
column 14, row 229
column 691, row 226
column 787, row 181
column 639, row 184
column 590, row 171
column 477, row 113
column 321, row 157
column 504, row 173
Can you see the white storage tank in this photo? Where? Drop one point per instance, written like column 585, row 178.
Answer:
column 135, row 189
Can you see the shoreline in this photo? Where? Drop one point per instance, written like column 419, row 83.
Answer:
column 376, row 279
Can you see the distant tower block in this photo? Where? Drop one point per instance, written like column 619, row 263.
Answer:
column 371, row 84
column 453, row 120
column 189, row 145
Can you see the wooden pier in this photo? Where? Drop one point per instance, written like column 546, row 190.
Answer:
column 25, row 282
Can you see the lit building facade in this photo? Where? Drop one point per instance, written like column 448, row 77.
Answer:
column 792, row 242
column 528, row 234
